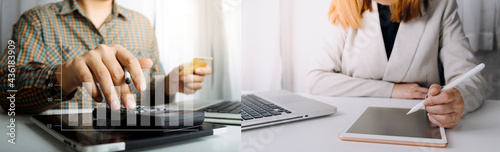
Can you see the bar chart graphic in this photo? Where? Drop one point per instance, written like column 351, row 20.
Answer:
column 115, row 121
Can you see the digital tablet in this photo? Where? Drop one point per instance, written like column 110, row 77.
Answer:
column 89, row 138
column 393, row 126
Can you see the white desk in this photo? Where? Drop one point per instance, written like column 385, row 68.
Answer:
column 30, row 137
column 478, row 131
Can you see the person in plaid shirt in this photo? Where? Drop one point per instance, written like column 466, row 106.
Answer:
column 75, row 41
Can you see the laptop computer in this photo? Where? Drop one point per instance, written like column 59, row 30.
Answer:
column 216, row 111
column 275, row 107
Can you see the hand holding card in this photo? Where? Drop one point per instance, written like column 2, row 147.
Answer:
column 197, row 62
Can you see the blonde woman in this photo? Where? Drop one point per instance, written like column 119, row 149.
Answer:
column 398, row 48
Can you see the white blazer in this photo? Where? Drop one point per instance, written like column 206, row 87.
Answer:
column 354, row 62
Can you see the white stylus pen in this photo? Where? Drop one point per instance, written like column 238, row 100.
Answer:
column 451, row 85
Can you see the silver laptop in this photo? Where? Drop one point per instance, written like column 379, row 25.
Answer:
column 275, row 107
column 216, row 111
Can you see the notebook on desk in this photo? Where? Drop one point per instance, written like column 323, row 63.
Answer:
column 216, row 111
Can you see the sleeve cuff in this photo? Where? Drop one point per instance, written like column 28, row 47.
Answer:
column 386, row 89
column 470, row 103
column 56, row 91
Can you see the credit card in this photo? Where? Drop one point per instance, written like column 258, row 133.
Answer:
column 197, row 62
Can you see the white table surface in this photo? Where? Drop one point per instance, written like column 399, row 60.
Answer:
column 30, row 137
column 477, row 132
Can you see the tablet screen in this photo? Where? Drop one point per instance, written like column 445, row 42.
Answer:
column 90, row 135
column 394, row 122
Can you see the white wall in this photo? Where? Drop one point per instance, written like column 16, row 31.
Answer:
column 481, row 23
column 279, row 38
column 261, row 67
column 310, row 20
column 10, row 11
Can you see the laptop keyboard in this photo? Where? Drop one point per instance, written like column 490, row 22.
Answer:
column 225, row 107
column 254, row 107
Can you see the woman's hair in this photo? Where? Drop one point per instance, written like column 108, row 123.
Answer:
column 348, row 13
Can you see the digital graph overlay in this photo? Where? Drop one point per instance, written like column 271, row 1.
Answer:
column 75, row 120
